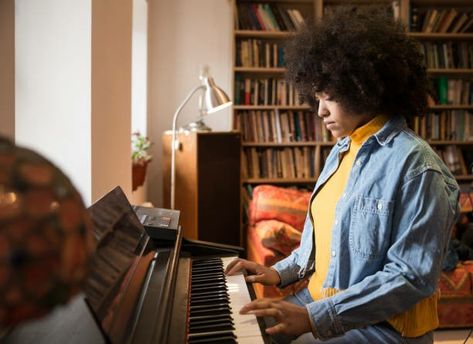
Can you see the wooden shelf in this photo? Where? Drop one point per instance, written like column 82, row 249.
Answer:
column 441, row 36
column 262, row 34
column 289, row 144
column 260, row 70
column 451, row 107
column 450, row 3
column 280, row 181
column 271, row 107
column 450, row 71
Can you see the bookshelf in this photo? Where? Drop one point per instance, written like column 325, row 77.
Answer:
column 278, row 131
column 445, row 32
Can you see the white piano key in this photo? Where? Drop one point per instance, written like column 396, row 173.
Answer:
column 246, row 325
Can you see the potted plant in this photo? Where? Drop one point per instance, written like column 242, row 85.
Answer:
column 140, row 157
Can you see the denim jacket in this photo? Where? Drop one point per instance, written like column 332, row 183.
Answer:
column 391, row 228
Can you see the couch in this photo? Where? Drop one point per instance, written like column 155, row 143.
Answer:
column 276, row 216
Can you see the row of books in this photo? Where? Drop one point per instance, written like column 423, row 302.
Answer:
column 441, row 20
column 294, row 162
column 392, row 8
column 268, row 17
column 281, row 126
column 447, row 91
column 448, row 54
column 264, row 91
column 258, row 53
column 456, row 125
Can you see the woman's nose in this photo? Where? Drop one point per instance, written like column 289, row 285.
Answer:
column 322, row 111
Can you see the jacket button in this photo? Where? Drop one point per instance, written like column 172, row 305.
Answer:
column 380, row 206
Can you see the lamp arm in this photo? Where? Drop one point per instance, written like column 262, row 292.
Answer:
column 175, row 145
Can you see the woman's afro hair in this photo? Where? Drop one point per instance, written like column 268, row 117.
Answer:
column 363, row 59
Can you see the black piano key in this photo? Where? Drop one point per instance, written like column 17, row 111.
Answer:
column 206, row 261
column 213, row 327
column 208, row 283
column 210, row 305
column 209, row 288
column 202, row 295
column 217, row 339
column 198, row 318
column 207, row 267
column 209, row 300
column 205, row 273
column 212, row 311
column 199, row 279
column 210, row 333
column 211, row 320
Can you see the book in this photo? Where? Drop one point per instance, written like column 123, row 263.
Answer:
column 442, row 14
column 444, row 26
column 468, row 25
column 429, row 20
column 462, row 19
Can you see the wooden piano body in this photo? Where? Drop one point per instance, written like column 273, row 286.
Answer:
column 142, row 290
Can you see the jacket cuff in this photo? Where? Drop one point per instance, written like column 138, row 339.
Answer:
column 324, row 320
column 287, row 274
column 312, row 325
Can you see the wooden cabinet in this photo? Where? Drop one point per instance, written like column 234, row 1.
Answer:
column 207, row 184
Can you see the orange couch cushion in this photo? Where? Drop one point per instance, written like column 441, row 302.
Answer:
column 278, row 203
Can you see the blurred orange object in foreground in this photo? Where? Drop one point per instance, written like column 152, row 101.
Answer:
column 45, row 236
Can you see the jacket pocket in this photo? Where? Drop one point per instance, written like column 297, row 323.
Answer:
column 370, row 227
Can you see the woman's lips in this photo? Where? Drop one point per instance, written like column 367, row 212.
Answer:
column 330, row 125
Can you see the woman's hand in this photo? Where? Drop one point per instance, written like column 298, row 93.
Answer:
column 258, row 273
column 290, row 319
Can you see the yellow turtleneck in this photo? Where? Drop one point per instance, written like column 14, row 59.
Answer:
column 419, row 319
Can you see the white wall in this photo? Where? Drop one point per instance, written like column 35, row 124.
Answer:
column 53, row 78
column 139, row 79
column 73, row 88
column 183, row 36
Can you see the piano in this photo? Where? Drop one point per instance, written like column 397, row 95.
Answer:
column 148, row 284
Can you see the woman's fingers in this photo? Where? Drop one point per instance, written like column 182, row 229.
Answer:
column 240, row 264
column 233, row 267
column 291, row 319
column 278, row 328
column 257, row 304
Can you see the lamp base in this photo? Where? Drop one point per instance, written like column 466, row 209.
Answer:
column 197, row 126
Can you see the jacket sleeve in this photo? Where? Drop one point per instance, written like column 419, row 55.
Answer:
column 290, row 269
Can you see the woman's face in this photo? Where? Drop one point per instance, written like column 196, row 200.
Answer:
column 338, row 121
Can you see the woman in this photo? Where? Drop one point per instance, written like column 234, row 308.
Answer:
column 382, row 209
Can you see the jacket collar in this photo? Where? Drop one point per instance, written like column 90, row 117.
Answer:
column 392, row 127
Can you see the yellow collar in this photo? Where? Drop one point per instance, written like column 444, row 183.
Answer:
column 361, row 134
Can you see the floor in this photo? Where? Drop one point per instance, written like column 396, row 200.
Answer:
column 463, row 336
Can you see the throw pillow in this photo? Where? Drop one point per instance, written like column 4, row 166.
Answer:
column 279, row 203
